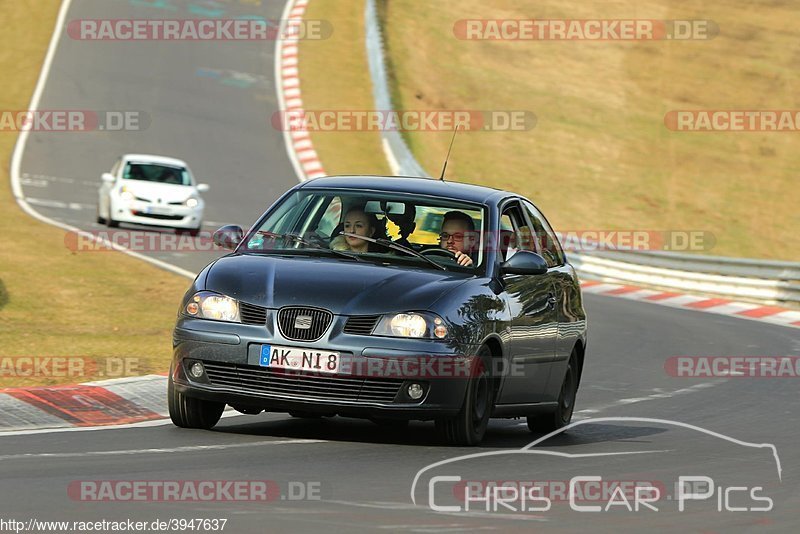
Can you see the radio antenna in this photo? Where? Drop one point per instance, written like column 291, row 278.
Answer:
column 448, row 152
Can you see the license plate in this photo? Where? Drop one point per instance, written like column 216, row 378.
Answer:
column 157, row 211
column 299, row 359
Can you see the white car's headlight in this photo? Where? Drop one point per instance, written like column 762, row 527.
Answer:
column 208, row 305
column 412, row 324
column 192, row 202
column 126, row 195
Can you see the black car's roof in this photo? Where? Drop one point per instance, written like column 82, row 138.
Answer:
column 414, row 185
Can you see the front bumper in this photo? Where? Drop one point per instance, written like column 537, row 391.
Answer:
column 230, row 354
column 136, row 212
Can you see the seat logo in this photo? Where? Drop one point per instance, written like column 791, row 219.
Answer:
column 303, row 322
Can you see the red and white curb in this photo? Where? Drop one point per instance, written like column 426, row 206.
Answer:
column 298, row 143
column 743, row 310
column 110, row 402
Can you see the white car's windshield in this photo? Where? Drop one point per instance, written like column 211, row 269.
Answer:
column 329, row 222
column 150, row 172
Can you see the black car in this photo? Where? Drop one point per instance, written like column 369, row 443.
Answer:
column 346, row 298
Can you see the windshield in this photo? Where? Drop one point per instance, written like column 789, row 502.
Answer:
column 398, row 228
column 163, row 174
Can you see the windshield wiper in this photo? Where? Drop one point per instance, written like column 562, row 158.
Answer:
column 394, row 246
column 296, row 238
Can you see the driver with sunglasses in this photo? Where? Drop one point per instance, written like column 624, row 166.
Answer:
column 457, row 236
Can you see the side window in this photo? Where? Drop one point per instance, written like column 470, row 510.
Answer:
column 286, row 218
column 331, row 218
column 545, row 237
column 514, row 233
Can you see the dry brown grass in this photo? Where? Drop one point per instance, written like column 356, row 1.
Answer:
column 600, row 156
column 334, row 76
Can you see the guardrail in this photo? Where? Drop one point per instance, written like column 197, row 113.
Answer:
column 401, row 160
column 767, row 282
column 744, row 279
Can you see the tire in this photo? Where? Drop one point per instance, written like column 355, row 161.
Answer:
column 188, row 412
column 561, row 417
column 110, row 222
column 469, row 426
column 100, row 220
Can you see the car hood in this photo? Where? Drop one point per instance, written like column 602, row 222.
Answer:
column 153, row 191
column 341, row 286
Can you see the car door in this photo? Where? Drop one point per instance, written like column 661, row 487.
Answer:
column 530, row 300
column 570, row 317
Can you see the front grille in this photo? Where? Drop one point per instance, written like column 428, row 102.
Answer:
column 318, row 320
column 158, row 216
column 252, row 314
column 361, row 324
column 256, row 379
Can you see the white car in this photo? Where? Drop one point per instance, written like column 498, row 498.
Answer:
column 151, row 190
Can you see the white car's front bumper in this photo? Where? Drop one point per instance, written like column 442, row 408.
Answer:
column 172, row 216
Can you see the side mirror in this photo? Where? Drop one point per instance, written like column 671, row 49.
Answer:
column 228, row 237
column 108, row 178
column 524, row 262
column 202, row 188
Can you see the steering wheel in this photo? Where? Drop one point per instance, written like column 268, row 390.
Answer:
column 313, row 237
column 449, row 254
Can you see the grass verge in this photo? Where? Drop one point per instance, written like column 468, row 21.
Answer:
column 112, row 310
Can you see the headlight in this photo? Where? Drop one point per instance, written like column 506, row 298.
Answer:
column 408, row 325
column 412, row 324
column 208, row 305
column 191, row 202
column 126, row 195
